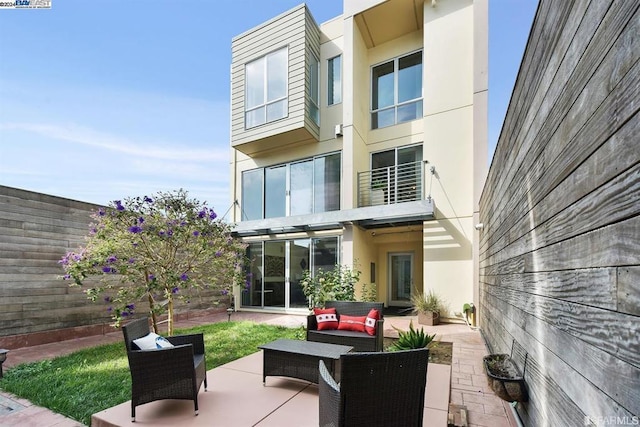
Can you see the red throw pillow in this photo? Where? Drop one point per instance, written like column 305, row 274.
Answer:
column 371, row 321
column 351, row 323
column 326, row 318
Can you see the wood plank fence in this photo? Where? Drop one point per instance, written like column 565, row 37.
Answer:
column 560, row 248
column 36, row 305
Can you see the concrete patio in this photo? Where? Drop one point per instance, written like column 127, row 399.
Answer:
column 236, row 396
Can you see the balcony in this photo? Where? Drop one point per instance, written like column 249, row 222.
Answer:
column 391, row 185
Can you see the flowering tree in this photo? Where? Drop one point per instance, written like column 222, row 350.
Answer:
column 155, row 249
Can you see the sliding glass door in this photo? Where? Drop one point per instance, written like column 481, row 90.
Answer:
column 276, row 268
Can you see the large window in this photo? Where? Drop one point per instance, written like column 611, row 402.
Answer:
column 396, row 93
column 334, row 79
column 266, row 89
column 276, row 268
column 297, row 188
column 314, row 89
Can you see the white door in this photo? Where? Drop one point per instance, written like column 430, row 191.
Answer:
column 400, row 278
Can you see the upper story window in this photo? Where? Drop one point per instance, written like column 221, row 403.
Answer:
column 334, row 79
column 314, row 89
column 396, row 92
column 266, row 84
column 297, row 188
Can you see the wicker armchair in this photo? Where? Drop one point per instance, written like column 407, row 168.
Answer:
column 166, row 373
column 383, row 389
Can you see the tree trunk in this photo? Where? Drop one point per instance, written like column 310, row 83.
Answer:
column 170, row 316
column 154, row 321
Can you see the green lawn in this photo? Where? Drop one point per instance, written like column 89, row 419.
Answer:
column 91, row 380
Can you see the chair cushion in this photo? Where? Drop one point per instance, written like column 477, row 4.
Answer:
column 351, row 323
column 371, row 321
column 326, row 317
column 152, row 342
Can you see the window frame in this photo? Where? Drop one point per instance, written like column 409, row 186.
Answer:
column 287, row 166
column 331, row 81
column 314, row 104
column 396, row 105
column 265, row 88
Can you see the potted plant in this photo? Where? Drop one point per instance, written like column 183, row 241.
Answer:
column 504, row 378
column 378, row 189
column 428, row 306
column 469, row 311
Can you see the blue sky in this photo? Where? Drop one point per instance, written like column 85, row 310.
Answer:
column 101, row 100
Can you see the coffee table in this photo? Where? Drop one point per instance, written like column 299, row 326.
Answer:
column 300, row 359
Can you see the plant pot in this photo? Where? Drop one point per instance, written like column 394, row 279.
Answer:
column 429, row 318
column 504, row 378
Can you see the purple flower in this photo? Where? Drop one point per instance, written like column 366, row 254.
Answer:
column 111, row 259
column 225, row 292
column 213, row 215
column 161, row 233
column 109, row 309
column 132, row 260
column 107, row 299
column 196, row 233
column 140, row 220
column 108, row 269
column 202, row 214
column 124, row 314
column 66, row 277
column 148, row 199
column 184, row 277
column 131, row 306
column 101, row 212
column 134, row 229
column 175, row 290
column 218, row 254
column 118, row 204
column 152, row 277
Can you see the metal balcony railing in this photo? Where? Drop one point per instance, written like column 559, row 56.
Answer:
column 390, row 185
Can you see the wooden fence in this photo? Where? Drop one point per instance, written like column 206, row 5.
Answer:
column 36, row 305
column 560, row 248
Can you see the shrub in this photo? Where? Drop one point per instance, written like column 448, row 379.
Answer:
column 329, row 285
column 411, row 339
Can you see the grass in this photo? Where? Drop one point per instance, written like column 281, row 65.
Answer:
column 94, row 379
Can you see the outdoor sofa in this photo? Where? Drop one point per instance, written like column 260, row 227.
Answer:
column 360, row 341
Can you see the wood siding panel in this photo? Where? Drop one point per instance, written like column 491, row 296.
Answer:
column 559, row 265
column 297, row 30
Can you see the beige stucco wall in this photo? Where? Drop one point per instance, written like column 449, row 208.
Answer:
column 449, row 147
column 453, row 134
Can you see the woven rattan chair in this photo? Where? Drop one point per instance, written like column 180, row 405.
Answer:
column 165, row 373
column 382, row 389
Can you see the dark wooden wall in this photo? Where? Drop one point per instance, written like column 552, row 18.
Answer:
column 560, row 248
column 36, row 305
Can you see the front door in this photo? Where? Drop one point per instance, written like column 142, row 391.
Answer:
column 400, row 278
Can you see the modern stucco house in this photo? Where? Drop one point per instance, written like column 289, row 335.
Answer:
column 361, row 141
